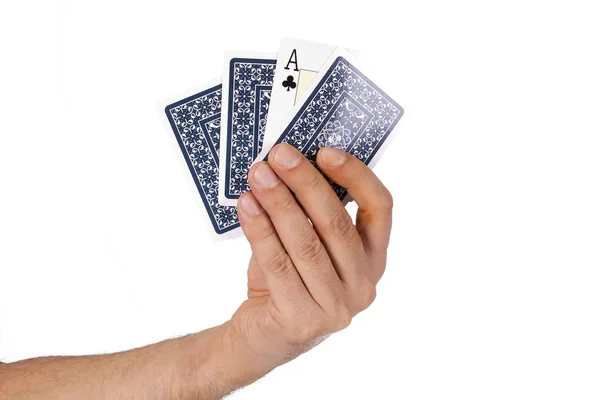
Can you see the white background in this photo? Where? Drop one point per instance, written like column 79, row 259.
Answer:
column 492, row 288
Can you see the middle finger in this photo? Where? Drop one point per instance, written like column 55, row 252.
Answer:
column 298, row 237
column 329, row 216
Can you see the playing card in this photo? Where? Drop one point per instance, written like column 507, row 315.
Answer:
column 247, row 84
column 298, row 62
column 196, row 123
column 343, row 109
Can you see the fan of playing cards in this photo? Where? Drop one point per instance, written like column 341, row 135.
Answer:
column 308, row 95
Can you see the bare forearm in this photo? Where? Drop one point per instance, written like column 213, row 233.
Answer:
column 197, row 366
column 306, row 280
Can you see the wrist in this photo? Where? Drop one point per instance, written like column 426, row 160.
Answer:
column 216, row 362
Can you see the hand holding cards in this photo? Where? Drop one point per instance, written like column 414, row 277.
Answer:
column 311, row 96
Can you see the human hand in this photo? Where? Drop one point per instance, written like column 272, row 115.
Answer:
column 306, row 281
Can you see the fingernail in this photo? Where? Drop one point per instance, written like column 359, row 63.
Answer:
column 264, row 176
column 249, row 205
column 332, row 157
column 286, row 156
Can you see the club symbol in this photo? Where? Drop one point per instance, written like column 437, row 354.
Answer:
column 289, row 83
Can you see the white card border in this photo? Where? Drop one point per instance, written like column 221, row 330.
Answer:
column 161, row 106
column 225, row 110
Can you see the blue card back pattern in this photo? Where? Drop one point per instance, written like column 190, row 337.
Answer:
column 251, row 81
column 345, row 111
column 196, row 122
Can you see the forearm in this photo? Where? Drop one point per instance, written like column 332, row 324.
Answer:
column 199, row 366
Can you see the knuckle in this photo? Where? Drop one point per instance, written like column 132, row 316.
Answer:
column 313, row 181
column 387, row 200
column 312, row 250
column 366, row 294
column 343, row 318
column 360, row 177
column 284, row 203
column 265, row 232
column 280, row 264
column 341, row 224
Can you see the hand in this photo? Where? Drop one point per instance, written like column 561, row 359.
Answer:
column 311, row 271
column 306, row 281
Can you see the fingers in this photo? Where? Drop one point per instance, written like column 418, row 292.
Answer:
column 374, row 219
column 284, row 283
column 298, row 237
column 327, row 213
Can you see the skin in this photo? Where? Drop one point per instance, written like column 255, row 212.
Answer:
column 305, row 281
